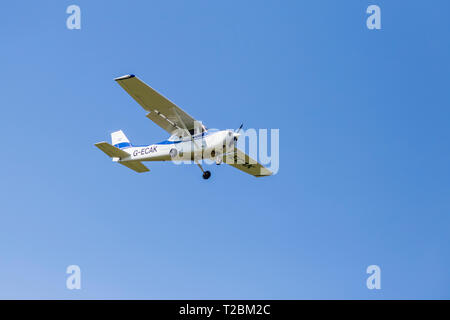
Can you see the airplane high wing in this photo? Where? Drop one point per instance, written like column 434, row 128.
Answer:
column 189, row 139
column 161, row 110
column 242, row 161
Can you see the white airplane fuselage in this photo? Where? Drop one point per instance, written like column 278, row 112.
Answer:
column 209, row 144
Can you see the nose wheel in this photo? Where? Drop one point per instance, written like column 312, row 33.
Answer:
column 206, row 175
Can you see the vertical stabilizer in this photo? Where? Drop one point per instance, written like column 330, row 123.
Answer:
column 120, row 140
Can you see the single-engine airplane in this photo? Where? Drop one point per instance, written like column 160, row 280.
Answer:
column 189, row 139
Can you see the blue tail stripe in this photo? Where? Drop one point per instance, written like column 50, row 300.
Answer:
column 122, row 145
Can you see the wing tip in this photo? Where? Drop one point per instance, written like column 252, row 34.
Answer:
column 127, row 76
column 264, row 172
column 263, row 175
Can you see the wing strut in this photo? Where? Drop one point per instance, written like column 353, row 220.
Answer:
column 185, row 128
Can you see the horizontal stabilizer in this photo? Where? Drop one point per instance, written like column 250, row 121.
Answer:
column 135, row 165
column 112, row 151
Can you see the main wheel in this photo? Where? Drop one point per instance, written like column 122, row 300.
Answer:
column 206, row 175
column 173, row 153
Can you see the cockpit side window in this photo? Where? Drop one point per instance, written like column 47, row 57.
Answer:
column 175, row 137
column 198, row 130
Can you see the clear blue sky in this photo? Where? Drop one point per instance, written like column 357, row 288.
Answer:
column 364, row 150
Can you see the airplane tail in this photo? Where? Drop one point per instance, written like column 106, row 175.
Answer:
column 120, row 140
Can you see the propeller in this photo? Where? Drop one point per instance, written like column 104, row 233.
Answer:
column 236, row 133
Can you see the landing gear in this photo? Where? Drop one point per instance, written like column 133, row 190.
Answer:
column 173, row 153
column 206, row 175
